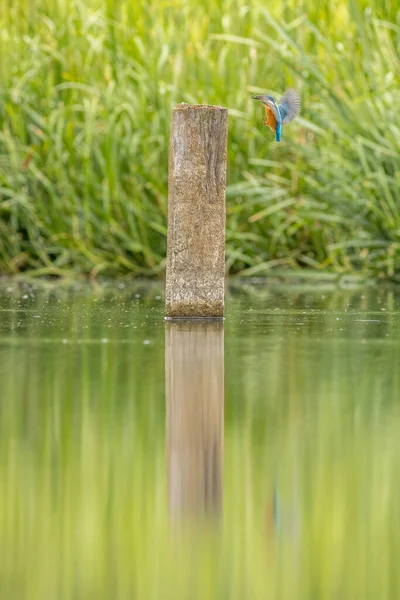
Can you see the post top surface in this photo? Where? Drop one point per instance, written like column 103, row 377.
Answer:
column 185, row 106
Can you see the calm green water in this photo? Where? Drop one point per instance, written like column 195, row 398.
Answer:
column 255, row 459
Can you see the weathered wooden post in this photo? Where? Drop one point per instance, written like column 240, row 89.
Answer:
column 194, row 382
column 196, row 212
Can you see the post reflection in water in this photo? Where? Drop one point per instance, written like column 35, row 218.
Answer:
column 194, row 372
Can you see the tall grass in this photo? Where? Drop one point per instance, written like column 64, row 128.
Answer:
column 85, row 99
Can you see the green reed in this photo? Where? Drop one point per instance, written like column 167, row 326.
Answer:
column 86, row 95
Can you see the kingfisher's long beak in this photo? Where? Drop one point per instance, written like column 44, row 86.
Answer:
column 256, row 97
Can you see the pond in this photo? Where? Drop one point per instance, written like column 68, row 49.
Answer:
column 255, row 458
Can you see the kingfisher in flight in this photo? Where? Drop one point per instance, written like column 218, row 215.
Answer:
column 279, row 114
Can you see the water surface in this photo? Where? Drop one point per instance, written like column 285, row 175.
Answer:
column 258, row 458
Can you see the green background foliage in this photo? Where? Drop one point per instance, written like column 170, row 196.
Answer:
column 86, row 92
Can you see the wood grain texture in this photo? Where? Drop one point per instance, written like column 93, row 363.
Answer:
column 196, row 212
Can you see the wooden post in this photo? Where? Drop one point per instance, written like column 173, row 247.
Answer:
column 194, row 382
column 196, row 212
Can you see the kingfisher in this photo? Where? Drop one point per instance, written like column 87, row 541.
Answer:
column 279, row 114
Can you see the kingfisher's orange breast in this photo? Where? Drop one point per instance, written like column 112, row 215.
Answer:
column 271, row 120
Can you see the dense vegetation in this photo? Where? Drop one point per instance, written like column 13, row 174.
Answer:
column 86, row 91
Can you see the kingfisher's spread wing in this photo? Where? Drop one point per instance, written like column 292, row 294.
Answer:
column 289, row 106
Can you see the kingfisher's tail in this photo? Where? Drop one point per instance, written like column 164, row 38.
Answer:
column 278, row 132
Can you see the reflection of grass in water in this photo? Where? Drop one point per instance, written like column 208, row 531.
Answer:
column 338, row 514
column 83, row 509
column 91, row 516
column 77, row 425
column 84, row 118
column 327, row 436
